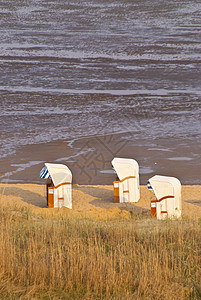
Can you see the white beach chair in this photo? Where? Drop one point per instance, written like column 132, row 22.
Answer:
column 168, row 193
column 59, row 192
column 126, row 188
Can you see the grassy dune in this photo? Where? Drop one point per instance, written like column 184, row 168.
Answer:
column 56, row 256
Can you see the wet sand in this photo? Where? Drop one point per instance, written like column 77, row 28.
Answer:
column 96, row 201
column 90, row 158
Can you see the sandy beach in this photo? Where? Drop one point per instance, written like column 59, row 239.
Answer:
column 82, row 83
column 96, row 201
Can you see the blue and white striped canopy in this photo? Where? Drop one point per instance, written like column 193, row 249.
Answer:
column 44, row 173
column 149, row 185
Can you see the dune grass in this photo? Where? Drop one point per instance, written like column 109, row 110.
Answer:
column 60, row 257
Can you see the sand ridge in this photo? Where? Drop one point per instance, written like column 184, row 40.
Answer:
column 97, row 201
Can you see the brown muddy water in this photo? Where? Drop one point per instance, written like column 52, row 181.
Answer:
column 84, row 81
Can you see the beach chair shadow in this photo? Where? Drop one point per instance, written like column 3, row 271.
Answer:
column 104, row 198
column 131, row 207
column 194, row 202
column 27, row 196
column 103, row 194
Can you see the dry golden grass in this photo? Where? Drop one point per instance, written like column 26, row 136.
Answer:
column 57, row 256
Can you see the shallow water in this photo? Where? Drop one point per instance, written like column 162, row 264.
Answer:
column 99, row 68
